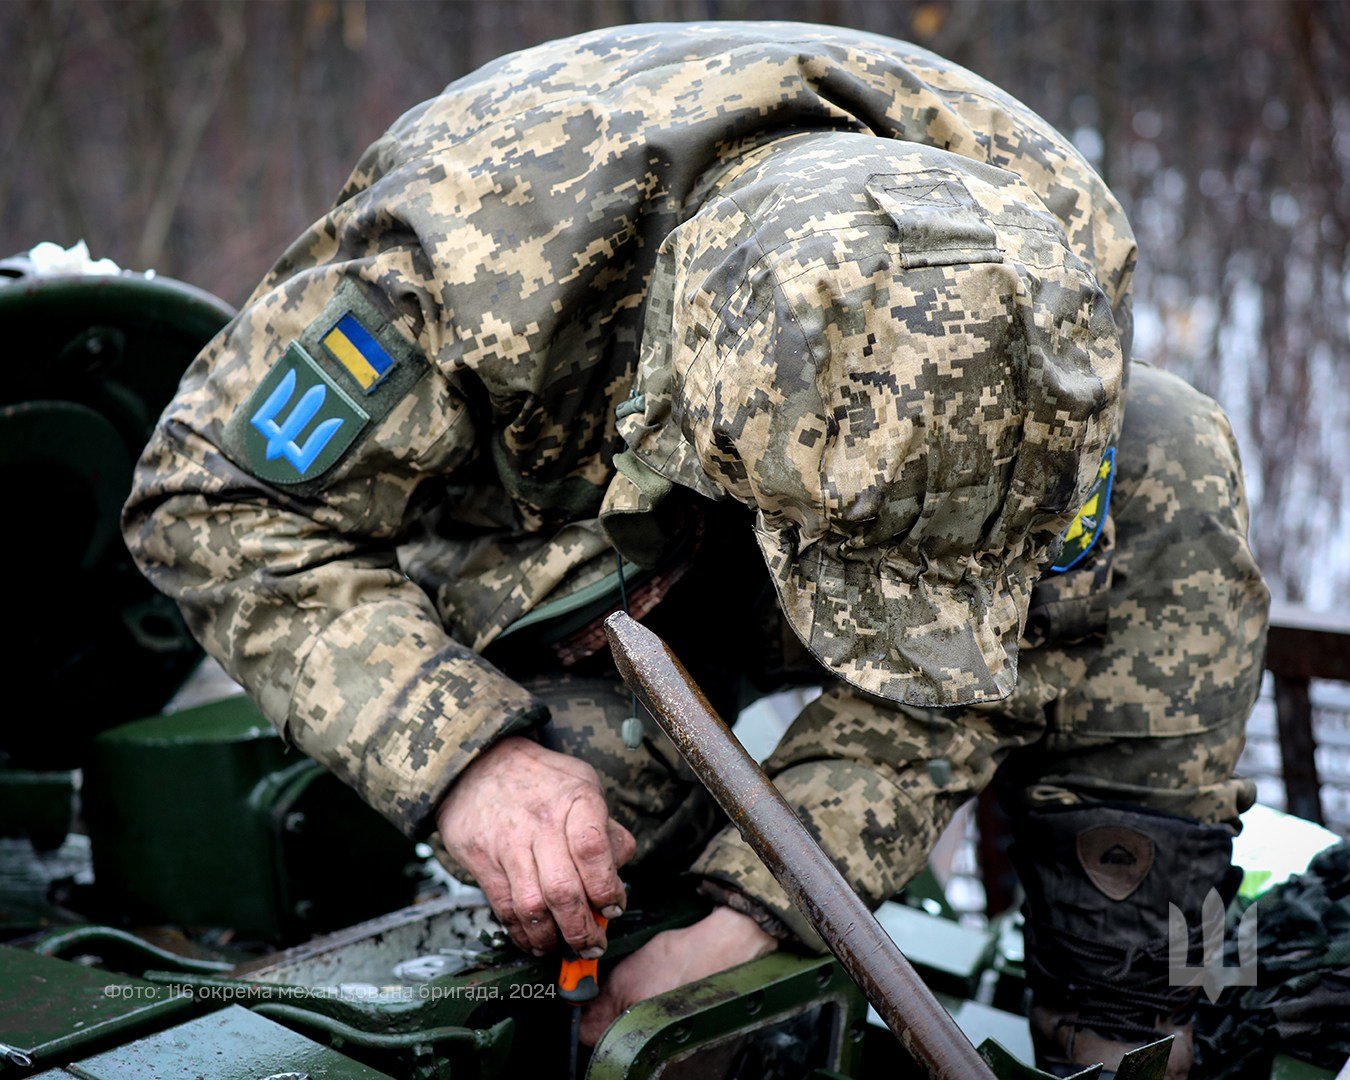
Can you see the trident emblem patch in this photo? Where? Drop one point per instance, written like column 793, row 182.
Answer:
column 297, row 423
column 281, row 439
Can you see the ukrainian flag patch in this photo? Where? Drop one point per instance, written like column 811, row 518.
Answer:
column 1083, row 531
column 327, row 393
column 355, row 348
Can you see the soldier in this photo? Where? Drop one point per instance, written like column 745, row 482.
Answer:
column 809, row 348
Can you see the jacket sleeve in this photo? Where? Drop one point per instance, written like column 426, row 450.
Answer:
column 295, row 587
column 875, row 783
column 1141, row 689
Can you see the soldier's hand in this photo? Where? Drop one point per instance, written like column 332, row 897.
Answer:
column 722, row 939
column 531, row 826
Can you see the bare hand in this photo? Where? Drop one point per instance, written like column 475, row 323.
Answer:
column 531, row 826
column 721, row 939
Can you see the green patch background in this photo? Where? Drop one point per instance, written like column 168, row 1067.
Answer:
column 248, row 445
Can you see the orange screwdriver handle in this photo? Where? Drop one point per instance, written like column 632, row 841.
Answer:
column 579, row 979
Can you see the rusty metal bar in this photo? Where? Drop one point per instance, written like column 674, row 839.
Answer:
column 770, row 826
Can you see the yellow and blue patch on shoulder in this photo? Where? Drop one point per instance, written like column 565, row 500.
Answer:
column 357, row 350
column 330, row 388
column 1083, row 531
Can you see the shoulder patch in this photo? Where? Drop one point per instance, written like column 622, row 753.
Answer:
column 1083, row 531
column 333, row 384
column 296, row 423
column 355, row 348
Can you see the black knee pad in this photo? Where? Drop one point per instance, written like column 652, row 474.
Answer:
column 1099, row 881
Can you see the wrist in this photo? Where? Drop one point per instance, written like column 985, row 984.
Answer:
column 504, row 748
column 491, row 759
column 741, row 933
column 723, row 895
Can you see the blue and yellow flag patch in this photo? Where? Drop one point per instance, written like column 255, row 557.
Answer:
column 356, row 349
column 327, row 392
column 1086, row 527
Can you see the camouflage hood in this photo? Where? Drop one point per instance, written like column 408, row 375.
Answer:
column 888, row 353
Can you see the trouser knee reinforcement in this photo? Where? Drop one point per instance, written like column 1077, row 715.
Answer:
column 1100, row 882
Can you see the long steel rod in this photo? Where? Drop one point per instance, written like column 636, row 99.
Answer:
column 770, row 826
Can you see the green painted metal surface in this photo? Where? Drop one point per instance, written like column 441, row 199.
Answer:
column 981, row 1022
column 926, row 892
column 52, row 310
column 202, row 818
column 949, row 957
column 783, row 1016
column 785, row 1013
column 345, row 984
column 67, row 443
column 1003, row 1039
column 34, row 883
column 52, row 1009
column 1285, row 1067
column 232, row 1044
column 100, row 358
column 1007, row 1066
column 219, row 724
column 323, row 833
column 429, row 1053
column 37, row 805
column 120, row 951
column 166, row 800
column 792, row 1003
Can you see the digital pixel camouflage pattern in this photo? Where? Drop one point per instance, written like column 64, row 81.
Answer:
column 501, row 247
column 1139, row 668
column 891, row 355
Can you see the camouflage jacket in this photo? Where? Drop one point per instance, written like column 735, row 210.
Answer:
column 465, row 322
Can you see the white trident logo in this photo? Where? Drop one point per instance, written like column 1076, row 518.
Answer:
column 1211, row 974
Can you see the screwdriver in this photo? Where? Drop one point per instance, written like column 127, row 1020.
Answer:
column 578, row 983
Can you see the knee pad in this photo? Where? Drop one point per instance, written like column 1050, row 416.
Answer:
column 1100, row 881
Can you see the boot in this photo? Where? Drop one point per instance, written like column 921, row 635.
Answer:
column 1066, row 1043
column 1099, row 880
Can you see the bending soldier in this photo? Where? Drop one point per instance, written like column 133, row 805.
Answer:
column 812, row 349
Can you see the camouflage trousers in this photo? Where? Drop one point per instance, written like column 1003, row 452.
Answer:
column 1137, row 673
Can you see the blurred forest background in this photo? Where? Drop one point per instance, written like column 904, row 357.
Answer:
column 199, row 138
